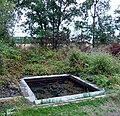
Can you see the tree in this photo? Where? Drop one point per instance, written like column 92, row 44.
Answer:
column 117, row 19
column 105, row 32
column 100, row 8
column 82, row 25
column 6, row 19
column 95, row 21
column 45, row 17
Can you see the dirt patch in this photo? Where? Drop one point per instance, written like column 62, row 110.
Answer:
column 9, row 90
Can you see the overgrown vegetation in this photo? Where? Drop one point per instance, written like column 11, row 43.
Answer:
column 48, row 24
column 44, row 61
column 94, row 63
column 99, row 68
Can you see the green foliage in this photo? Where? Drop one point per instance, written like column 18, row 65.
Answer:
column 94, row 63
column 34, row 58
column 117, row 18
column 43, row 61
column 116, row 78
column 46, row 68
column 102, row 30
column 103, row 63
column 33, row 69
column 78, row 61
column 105, row 81
column 13, row 105
column 48, row 15
column 39, row 55
column 8, row 56
column 6, row 19
column 61, row 67
column 9, row 52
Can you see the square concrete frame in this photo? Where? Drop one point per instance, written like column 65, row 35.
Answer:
column 28, row 93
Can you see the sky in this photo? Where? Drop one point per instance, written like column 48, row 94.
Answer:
column 19, row 30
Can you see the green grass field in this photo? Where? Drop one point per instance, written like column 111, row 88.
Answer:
column 97, row 107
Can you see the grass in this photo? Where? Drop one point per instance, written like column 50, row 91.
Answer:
column 101, row 68
column 97, row 107
column 64, row 110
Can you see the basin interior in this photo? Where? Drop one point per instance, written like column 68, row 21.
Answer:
column 49, row 87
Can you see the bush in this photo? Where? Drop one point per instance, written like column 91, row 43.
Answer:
column 9, row 52
column 93, row 63
column 39, row 55
column 42, row 61
column 114, row 49
column 99, row 80
column 78, row 61
column 103, row 63
column 102, row 80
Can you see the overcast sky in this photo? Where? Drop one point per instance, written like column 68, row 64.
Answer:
column 18, row 30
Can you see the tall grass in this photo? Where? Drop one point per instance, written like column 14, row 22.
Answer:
column 103, row 63
column 94, row 63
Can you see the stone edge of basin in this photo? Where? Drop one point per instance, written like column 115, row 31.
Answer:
column 28, row 94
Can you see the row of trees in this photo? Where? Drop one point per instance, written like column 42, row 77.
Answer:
column 102, row 26
column 48, row 20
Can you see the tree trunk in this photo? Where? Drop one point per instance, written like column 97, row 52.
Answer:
column 53, row 38
column 94, row 23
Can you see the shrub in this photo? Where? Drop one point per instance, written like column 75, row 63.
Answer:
column 38, row 55
column 40, row 63
column 93, row 63
column 44, row 51
column 78, row 61
column 100, row 80
column 103, row 63
column 7, row 53
column 114, row 49
column 10, row 52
